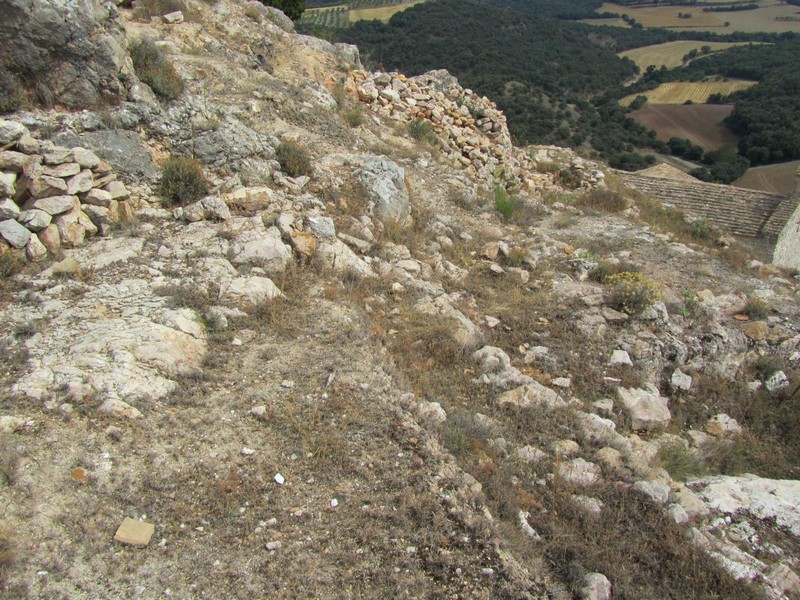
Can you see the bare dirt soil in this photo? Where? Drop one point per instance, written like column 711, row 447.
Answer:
column 780, row 178
column 700, row 123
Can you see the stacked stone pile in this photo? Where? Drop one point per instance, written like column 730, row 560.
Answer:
column 470, row 128
column 52, row 196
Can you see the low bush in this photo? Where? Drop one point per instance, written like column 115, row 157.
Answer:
column 680, row 462
column 293, row 158
column 182, row 181
column 503, row 203
column 700, row 230
column 420, row 130
column 606, row 200
column 154, row 69
column 632, row 293
column 605, row 269
column 353, row 116
column 689, row 306
column 755, row 308
column 516, row 257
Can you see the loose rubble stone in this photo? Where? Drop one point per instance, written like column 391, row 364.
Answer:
column 597, row 587
column 657, row 492
column 44, row 186
column 251, row 291
column 321, row 228
column 531, row 394
column 14, row 233
column 495, row 368
column 35, row 250
column 134, row 533
column 262, row 248
column 620, row 357
column 11, row 131
column 303, row 243
column 431, row 412
column 8, row 209
column 579, row 472
column 54, row 205
column 562, row 448
column 7, row 183
column 529, row 454
column 721, row 424
column 339, row 257
column 681, row 381
column 648, row 410
column 776, row 381
column 385, row 185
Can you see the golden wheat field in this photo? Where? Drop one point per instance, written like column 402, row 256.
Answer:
column 671, row 53
column 679, row 92
column 761, row 19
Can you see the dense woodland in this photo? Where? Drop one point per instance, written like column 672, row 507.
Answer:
column 559, row 81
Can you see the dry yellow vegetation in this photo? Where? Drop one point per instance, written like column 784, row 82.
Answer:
column 679, row 92
column 383, row 13
column 761, row 19
column 670, row 54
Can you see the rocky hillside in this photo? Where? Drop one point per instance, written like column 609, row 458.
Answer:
column 361, row 345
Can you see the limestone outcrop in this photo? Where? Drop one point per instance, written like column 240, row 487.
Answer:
column 71, row 50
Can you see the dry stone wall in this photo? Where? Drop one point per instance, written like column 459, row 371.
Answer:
column 742, row 212
column 469, row 128
column 51, row 196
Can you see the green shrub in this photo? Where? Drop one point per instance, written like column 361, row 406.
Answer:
column 293, row 158
column 182, row 181
column 680, row 462
column 700, row 230
column 154, row 69
column 420, row 130
column 10, row 92
column 690, row 304
column 632, row 293
column 503, row 203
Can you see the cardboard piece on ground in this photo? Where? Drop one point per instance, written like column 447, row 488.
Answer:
column 135, row 533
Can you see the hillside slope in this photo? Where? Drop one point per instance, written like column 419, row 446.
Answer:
column 422, row 363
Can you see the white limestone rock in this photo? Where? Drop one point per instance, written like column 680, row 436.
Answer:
column 647, row 408
column 579, row 472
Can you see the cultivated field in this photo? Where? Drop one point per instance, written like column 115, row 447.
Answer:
column 333, row 16
column 342, row 15
column 382, row 13
column 780, row 178
column 761, row 19
column 671, row 53
column 678, row 92
column 700, row 123
column 609, row 22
